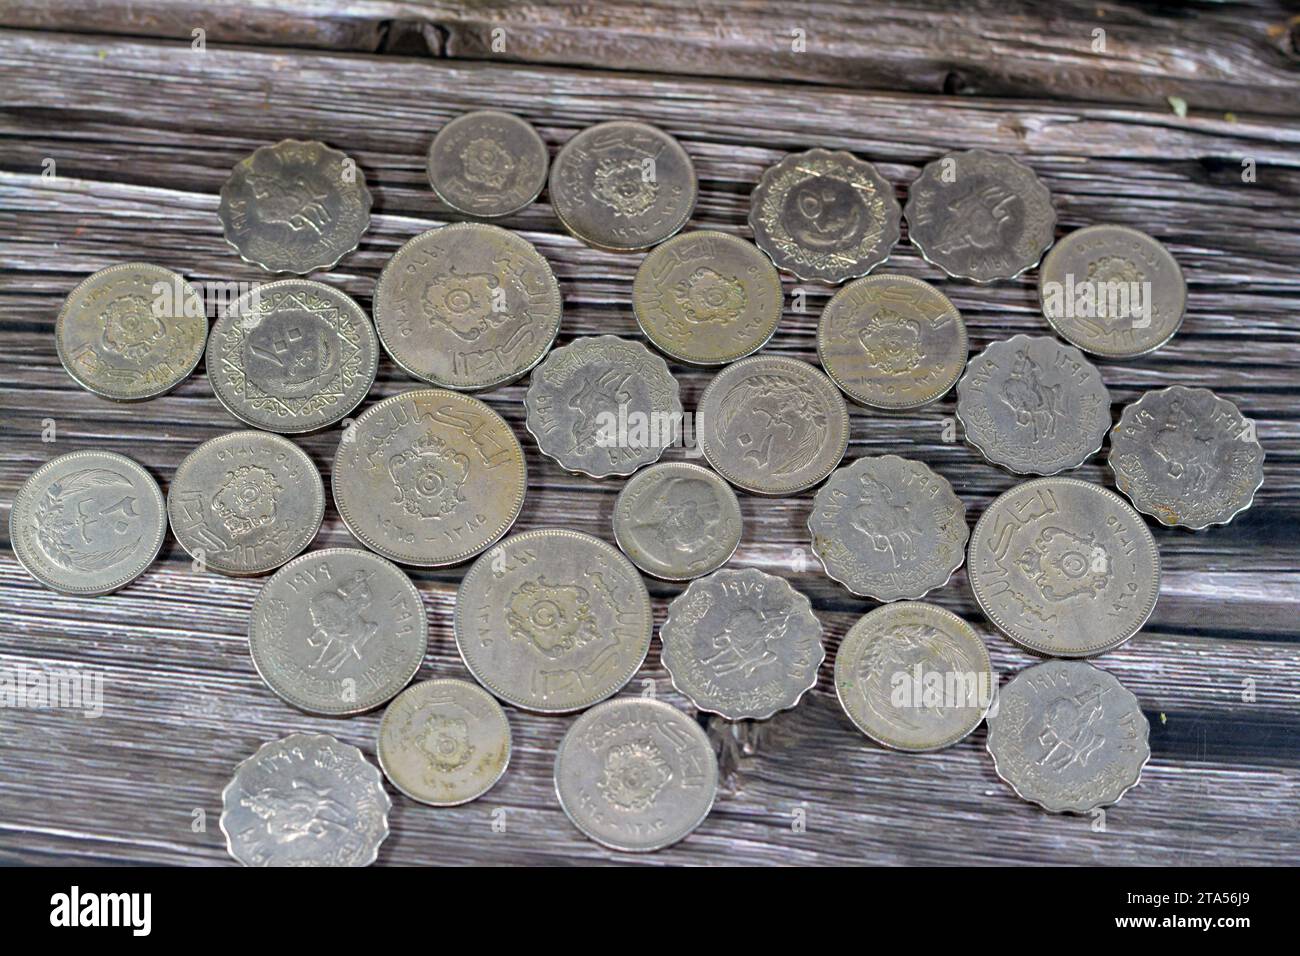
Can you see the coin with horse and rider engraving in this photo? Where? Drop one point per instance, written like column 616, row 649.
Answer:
column 487, row 163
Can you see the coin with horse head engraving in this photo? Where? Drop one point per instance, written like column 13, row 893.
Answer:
column 677, row 521
column 487, row 163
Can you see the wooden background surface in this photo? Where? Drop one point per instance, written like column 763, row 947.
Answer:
column 143, row 130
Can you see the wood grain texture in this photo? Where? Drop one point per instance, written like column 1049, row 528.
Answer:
column 143, row 132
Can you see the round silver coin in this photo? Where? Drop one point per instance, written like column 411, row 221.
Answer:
column 487, row 163
column 305, row 800
column 245, row 502
column 552, row 620
column 677, row 521
column 88, row 522
column 1068, row 736
column 337, row 631
column 743, row 644
column 1063, row 567
column 1186, row 457
column 1033, row 405
column 888, row 528
column 636, row 775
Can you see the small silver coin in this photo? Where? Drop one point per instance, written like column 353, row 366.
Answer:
column 337, row 631
column 1033, row 405
column 305, row 800
column 88, row 522
column 1186, row 457
column 888, row 528
column 487, row 163
column 742, row 643
column 636, row 775
column 1068, row 736
column 980, row 216
column 553, row 621
column 245, row 502
column 677, row 521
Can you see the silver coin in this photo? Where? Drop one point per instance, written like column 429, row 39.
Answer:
column 677, row 521
column 305, row 800
column 487, row 163
column 429, row 477
column 603, row 406
column 1068, row 736
column 553, row 621
column 337, row 631
column 1033, row 405
column 888, row 528
column 1063, row 567
column 88, row 522
column 636, row 775
column 1186, row 457
column 467, row 306
column 444, row 742
column 914, row 676
column 772, row 425
column 131, row 332
column 979, row 215
column 292, row 356
column 1112, row 291
column 743, row 644
column 295, row 207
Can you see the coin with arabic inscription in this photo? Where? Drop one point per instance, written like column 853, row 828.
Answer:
column 677, row 521
column 487, row 163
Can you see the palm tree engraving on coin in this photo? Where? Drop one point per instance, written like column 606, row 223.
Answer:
column 487, row 163
column 677, row 521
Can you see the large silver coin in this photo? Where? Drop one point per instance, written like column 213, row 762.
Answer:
column 1186, row 457
column 337, row 631
column 603, row 406
column 743, row 644
column 914, row 676
column 292, row 356
column 429, row 477
column 487, row 163
column 88, row 522
column 1033, row 405
column 305, row 800
column 1068, row 736
column 553, row 621
column 131, row 332
column 1063, row 567
column 772, row 425
column 467, row 306
column 245, row 502
column 677, row 521
column 888, row 528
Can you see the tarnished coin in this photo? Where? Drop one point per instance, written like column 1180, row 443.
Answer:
column 88, row 522
column 603, row 406
column 487, row 163
column 979, row 215
column 824, row 216
column 467, row 306
column 131, row 332
column 444, row 742
column 552, row 620
column 914, row 676
column 245, row 502
column 772, row 425
column 707, row 298
column 636, row 774
column 1068, row 736
column 677, row 521
column 892, row 342
column 292, row 356
column 888, row 528
column 743, row 644
column 1033, row 405
column 1063, row 567
column 1112, row 291
column 623, row 186
column 337, row 631
column 295, row 207
column 1186, row 457
column 429, row 477
column 305, row 800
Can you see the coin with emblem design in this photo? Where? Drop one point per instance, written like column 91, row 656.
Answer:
column 487, row 163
